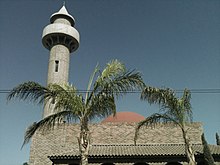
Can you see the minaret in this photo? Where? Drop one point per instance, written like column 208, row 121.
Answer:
column 61, row 38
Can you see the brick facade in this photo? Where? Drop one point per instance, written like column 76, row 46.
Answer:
column 63, row 139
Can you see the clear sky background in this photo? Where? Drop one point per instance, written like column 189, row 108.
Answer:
column 173, row 43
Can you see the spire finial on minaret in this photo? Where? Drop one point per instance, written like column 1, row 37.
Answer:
column 63, row 13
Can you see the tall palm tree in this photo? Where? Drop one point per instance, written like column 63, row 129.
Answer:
column 217, row 139
column 70, row 105
column 208, row 159
column 173, row 109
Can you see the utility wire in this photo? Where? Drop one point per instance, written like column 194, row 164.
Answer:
column 196, row 91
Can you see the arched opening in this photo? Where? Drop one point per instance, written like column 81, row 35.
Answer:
column 141, row 163
column 107, row 164
column 173, row 163
column 201, row 163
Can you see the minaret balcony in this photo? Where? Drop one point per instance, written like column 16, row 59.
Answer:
column 55, row 34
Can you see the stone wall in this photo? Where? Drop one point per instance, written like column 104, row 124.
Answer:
column 63, row 139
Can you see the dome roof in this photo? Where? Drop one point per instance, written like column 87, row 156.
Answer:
column 121, row 117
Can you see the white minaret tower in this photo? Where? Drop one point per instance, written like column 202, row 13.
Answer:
column 61, row 38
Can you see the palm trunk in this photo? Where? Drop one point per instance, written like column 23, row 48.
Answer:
column 83, row 141
column 188, row 148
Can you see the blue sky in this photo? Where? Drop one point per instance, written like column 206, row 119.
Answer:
column 172, row 43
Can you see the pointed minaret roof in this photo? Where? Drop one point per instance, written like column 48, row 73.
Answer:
column 62, row 13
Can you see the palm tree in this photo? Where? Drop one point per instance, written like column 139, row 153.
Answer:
column 217, row 139
column 208, row 159
column 173, row 109
column 70, row 105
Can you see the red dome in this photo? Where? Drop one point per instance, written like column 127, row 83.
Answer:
column 124, row 117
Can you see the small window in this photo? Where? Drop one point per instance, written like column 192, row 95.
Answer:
column 56, row 66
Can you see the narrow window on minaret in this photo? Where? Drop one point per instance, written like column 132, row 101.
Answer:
column 56, row 66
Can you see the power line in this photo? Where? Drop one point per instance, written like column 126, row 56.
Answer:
column 193, row 91
column 211, row 91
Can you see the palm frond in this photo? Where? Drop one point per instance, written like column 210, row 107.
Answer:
column 179, row 108
column 156, row 95
column 67, row 98
column 116, row 81
column 48, row 123
column 112, row 69
column 121, row 84
column 90, row 82
column 152, row 121
column 101, row 106
column 113, row 81
column 187, row 104
column 176, row 110
column 187, row 108
column 29, row 133
column 172, row 108
column 74, row 104
column 31, row 91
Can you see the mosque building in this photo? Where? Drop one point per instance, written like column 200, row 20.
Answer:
column 112, row 140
